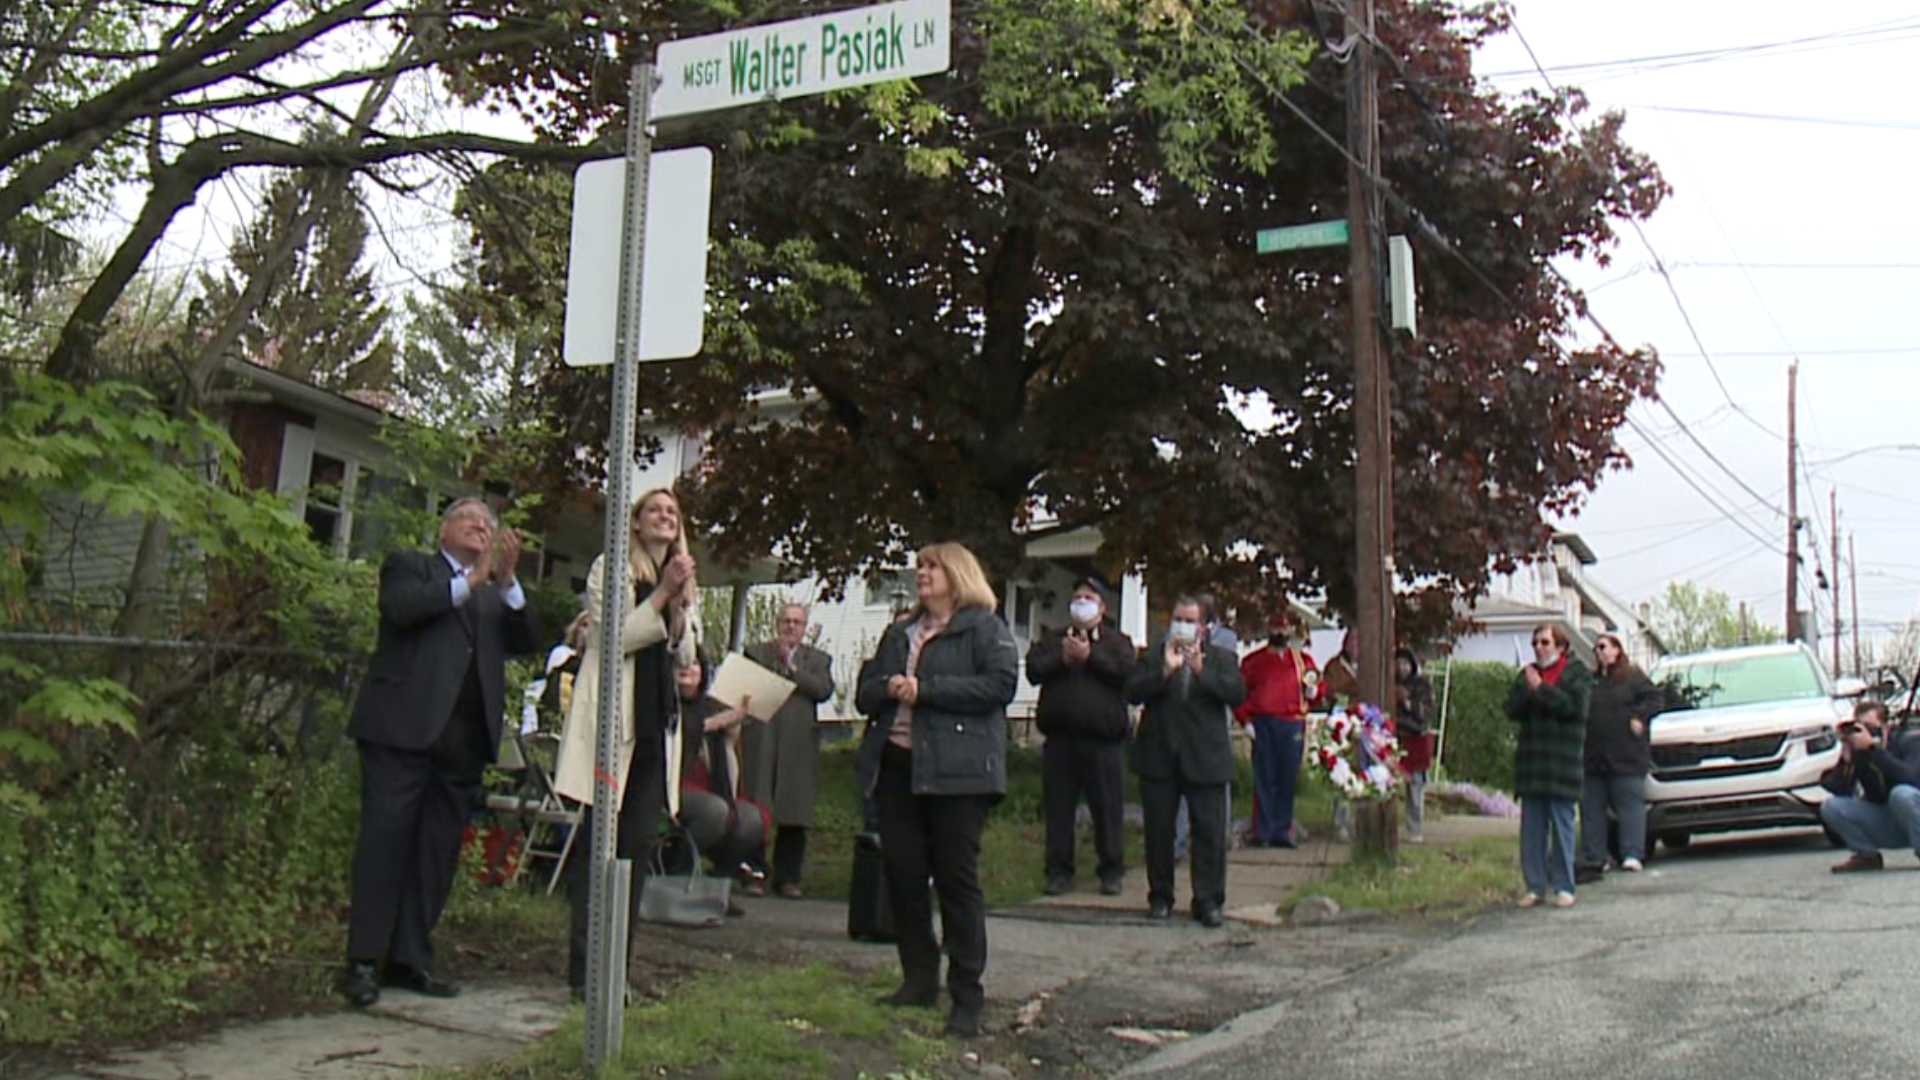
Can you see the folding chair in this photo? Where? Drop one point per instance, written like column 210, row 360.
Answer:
column 546, row 820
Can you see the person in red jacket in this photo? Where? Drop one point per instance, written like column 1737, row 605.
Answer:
column 1283, row 683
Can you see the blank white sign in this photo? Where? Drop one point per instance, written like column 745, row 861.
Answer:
column 673, row 305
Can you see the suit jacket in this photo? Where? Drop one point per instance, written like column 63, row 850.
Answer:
column 780, row 760
column 425, row 648
column 1185, row 732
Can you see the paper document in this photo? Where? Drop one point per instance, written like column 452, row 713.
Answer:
column 740, row 678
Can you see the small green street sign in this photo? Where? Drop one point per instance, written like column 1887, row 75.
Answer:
column 1294, row 237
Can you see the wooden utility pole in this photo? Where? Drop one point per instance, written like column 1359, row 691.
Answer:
column 1793, row 514
column 1372, row 388
column 1833, row 515
column 1853, row 592
column 1746, row 636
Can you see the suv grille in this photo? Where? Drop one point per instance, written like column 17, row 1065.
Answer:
column 1735, row 757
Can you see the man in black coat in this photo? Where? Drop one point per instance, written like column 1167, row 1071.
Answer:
column 428, row 722
column 1082, row 675
column 1184, row 749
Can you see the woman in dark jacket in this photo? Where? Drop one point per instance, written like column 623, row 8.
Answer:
column 1618, row 757
column 1413, row 728
column 727, row 828
column 1549, row 702
column 935, row 759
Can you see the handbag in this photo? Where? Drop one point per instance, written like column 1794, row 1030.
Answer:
column 695, row 900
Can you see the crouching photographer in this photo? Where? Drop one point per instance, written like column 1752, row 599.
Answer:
column 1876, row 789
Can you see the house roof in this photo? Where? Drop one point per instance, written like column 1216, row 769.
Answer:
column 1578, row 546
column 306, row 395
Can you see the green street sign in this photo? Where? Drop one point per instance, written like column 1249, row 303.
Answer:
column 1294, row 237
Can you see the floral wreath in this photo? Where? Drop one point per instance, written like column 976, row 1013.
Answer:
column 1356, row 752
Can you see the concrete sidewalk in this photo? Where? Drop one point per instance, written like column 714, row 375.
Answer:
column 1259, row 880
column 1037, row 950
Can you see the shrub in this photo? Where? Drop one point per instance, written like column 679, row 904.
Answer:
column 1479, row 739
column 119, row 912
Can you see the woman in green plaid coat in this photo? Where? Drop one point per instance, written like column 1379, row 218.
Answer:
column 1549, row 702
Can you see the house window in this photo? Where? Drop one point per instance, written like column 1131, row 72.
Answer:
column 380, row 507
column 326, row 497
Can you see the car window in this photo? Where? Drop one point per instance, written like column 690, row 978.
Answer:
column 1742, row 680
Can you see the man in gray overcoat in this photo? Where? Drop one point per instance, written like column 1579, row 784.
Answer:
column 780, row 760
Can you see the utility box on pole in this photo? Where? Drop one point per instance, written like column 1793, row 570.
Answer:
column 1400, row 293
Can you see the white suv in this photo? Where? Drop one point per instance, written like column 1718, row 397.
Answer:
column 1748, row 751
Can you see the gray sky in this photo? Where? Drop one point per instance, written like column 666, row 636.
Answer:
column 1782, row 238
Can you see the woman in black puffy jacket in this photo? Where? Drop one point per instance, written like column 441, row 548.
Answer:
column 1618, row 756
column 935, row 760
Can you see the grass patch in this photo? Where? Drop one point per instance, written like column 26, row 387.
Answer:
column 810, row 1023
column 1457, row 879
column 1013, row 847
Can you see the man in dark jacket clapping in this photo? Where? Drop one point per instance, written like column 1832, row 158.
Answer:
column 1081, row 673
column 1876, row 786
column 1184, row 749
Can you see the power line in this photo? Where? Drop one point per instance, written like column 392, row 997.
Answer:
column 1672, row 462
column 1446, row 246
column 1685, row 317
column 1736, row 114
column 1602, row 70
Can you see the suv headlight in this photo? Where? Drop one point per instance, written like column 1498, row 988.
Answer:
column 1819, row 737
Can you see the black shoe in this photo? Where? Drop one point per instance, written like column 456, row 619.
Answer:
column 1111, row 887
column 964, row 1021
column 1059, row 885
column 909, row 996
column 419, row 981
column 358, row 985
column 1159, row 909
column 1208, row 915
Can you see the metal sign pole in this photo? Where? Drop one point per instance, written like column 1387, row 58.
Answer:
column 610, row 875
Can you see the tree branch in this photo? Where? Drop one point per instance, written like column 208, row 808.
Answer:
column 179, row 72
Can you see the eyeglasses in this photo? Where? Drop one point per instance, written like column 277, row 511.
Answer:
column 1544, row 641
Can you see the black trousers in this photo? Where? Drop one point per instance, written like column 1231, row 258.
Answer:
column 934, row 837
column 1207, row 844
column 1072, row 767
column 641, row 810
column 414, row 806
column 789, row 854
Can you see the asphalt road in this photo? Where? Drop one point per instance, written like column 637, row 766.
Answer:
column 1742, row 959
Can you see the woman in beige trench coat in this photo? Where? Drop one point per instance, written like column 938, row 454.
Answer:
column 657, row 635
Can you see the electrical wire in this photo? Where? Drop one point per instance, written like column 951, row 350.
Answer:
column 1602, row 70
column 1736, row 114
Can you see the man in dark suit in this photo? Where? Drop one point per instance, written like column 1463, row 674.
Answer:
column 1184, row 750
column 428, row 723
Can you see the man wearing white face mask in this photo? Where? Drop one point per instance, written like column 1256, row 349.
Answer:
column 1184, row 750
column 1080, row 672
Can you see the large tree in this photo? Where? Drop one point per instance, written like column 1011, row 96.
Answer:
column 1030, row 292
column 1690, row 618
column 317, row 317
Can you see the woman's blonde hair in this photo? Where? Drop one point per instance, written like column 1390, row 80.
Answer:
column 969, row 581
column 638, row 561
